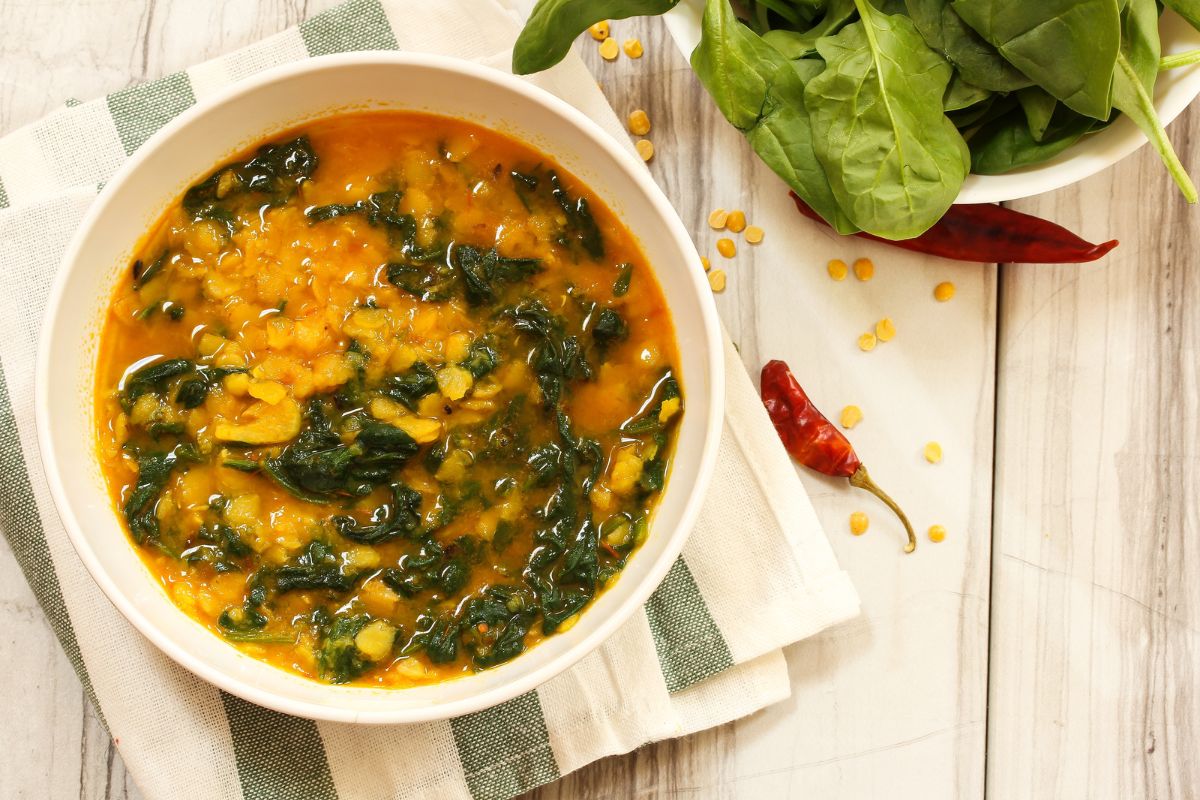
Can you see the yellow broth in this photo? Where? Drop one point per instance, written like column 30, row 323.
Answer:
column 387, row 399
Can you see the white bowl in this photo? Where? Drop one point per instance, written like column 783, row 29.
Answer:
column 186, row 150
column 1173, row 92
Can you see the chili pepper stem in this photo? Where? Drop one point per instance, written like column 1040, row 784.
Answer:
column 862, row 480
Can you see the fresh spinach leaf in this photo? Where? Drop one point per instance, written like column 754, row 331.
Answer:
column 1068, row 47
column 977, row 62
column 1038, row 106
column 1006, row 143
column 554, row 24
column 762, row 94
column 797, row 43
column 1133, row 85
column 894, row 161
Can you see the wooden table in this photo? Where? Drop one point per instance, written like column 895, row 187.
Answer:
column 1049, row 647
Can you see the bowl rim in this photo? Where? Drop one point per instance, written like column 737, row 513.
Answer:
column 638, row 593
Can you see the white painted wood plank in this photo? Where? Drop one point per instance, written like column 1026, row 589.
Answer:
column 1096, row 624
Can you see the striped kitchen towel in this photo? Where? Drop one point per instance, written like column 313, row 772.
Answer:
column 756, row 574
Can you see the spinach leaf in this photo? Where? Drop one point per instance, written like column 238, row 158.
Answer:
column 762, row 94
column 154, row 377
column 483, row 272
column 960, row 94
column 1068, row 47
column 339, row 660
column 608, row 329
column 481, row 358
column 1133, row 85
column 1006, row 143
column 1188, row 9
column 506, row 614
column 1038, row 106
column 410, row 387
column 795, row 44
column 556, row 357
column 320, row 467
column 193, row 391
column 437, row 636
column 154, row 470
column 434, row 568
column 274, row 171
column 977, row 62
column 624, row 276
column 894, row 161
column 316, row 568
column 580, row 222
column 400, row 517
column 220, row 547
column 648, row 419
column 143, row 275
column 554, row 24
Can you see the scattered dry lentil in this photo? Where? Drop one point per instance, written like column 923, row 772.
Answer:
column 717, row 218
column 754, row 234
column 726, row 247
column 943, row 291
column 859, row 523
column 864, row 269
column 645, row 149
column 885, row 329
column 867, row 342
column 609, row 49
column 851, row 416
column 599, row 31
column 838, row 269
column 633, row 48
column 937, row 533
column 639, row 122
column 933, row 452
column 716, row 279
column 736, row 221
column 704, row 262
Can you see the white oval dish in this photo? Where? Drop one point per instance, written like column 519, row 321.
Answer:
column 1174, row 91
column 186, row 150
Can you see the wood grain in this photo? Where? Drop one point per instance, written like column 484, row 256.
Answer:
column 1095, row 647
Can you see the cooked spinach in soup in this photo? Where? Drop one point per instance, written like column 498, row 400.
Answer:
column 387, row 399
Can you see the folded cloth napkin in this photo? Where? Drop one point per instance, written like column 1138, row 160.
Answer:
column 756, row 574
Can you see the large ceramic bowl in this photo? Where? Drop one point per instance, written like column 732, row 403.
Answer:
column 186, row 150
column 1173, row 92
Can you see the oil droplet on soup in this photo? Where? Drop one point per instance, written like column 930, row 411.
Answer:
column 387, row 399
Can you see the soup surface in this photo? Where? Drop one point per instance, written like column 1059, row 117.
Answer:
column 388, row 399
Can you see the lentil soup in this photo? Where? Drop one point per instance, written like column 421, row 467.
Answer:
column 387, row 399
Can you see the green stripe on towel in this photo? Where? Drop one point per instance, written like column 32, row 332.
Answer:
column 141, row 110
column 3, row 196
column 505, row 750
column 689, row 644
column 356, row 25
column 23, row 528
column 278, row 757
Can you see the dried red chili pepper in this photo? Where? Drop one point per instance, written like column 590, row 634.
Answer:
column 813, row 440
column 987, row 233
